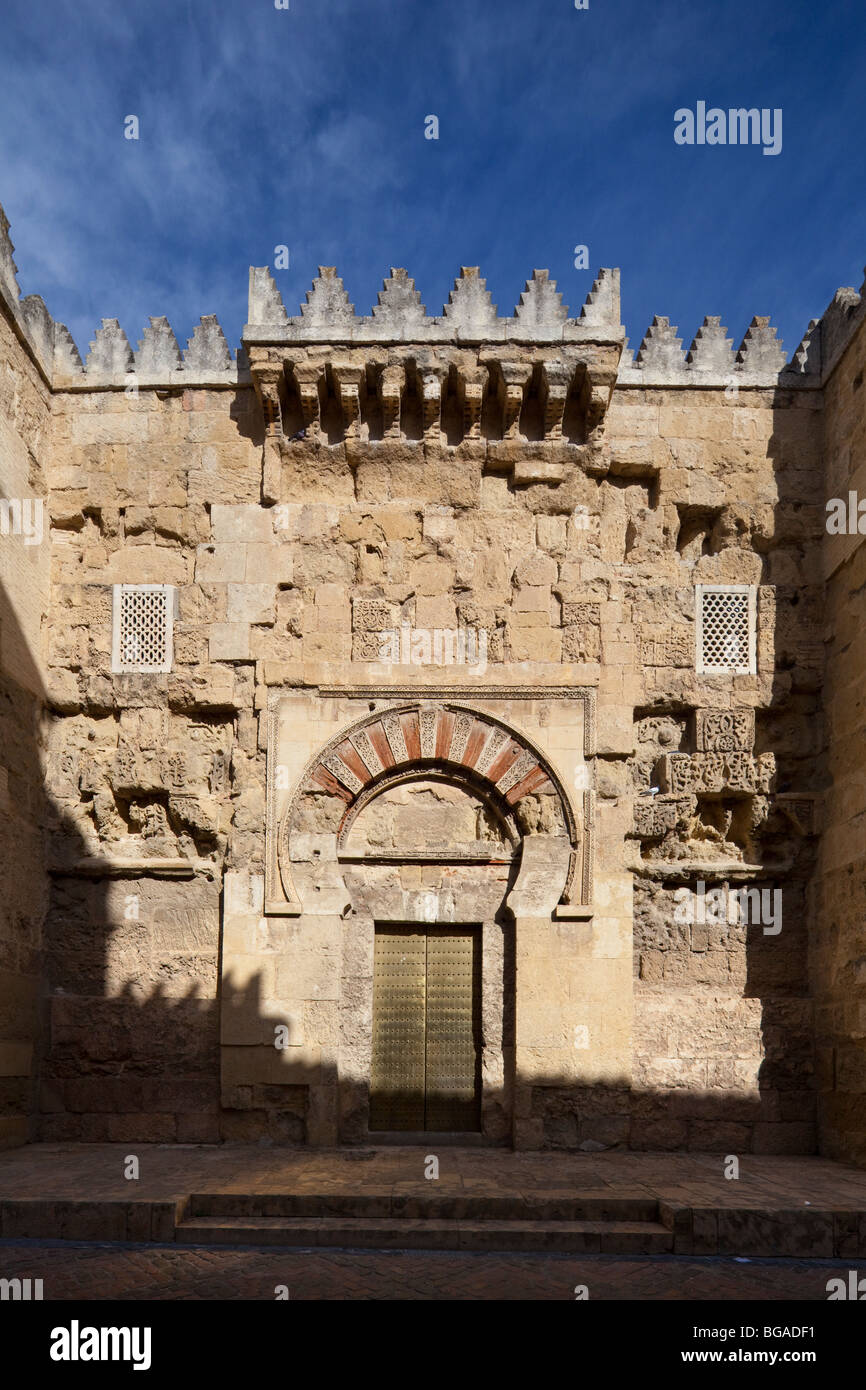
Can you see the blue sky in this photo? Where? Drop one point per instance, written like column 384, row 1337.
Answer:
column 305, row 127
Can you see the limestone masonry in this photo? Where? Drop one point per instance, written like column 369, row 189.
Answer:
column 416, row 724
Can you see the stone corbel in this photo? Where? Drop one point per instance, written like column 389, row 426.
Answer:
column 348, row 378
column 309, row 379
column 515, row 377
column 268, row 377
column 596, row 407
column 556, row 378
column 431, row 379
column 471, row 384
column 392, row 384
column 598, row 385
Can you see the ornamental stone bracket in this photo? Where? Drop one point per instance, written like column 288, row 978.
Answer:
column 443, row 395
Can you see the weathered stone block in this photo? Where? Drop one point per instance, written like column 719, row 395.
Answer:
column 235, row 524
column 229, row 642
column 220, row 564
column 581, row 643
column 537, row 569
column 535, row 644
column 250, row 603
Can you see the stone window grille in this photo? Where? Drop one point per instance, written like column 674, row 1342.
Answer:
column 143, row 627
column 726, row 623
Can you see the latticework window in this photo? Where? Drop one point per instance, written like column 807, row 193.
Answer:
column 143, row 623
column 725, row 628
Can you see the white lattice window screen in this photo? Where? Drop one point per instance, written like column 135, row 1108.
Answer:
column 143, row 627
column 726, row 628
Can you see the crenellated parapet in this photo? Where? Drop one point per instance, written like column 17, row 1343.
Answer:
column 538, row 379
column 469, row 317
column 711, row 360
column 111, row 361
column 837, row 326
column 32, row 320
column 539, row 356
column 759, row 361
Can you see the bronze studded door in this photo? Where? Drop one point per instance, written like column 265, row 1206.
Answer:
column 452, row 1053
column 399, row 1003
column 426, row 1012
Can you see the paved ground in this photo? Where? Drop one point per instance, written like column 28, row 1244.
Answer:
column 800, row 1208
column 95, row 1172
column 77, row 1271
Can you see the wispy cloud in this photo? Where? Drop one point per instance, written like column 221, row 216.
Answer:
column 305, row 127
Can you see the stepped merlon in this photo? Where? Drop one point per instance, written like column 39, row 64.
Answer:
column 400, row 316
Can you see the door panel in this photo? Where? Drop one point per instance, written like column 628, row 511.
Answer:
column 399, row 986
column 426, row 1045
column 451, row 1088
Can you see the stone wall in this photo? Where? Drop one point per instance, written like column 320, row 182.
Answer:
column 839, row 950
column 156, row 780
column 24, row 426
column 583, row 576
column 723, row 1021
column 404, row 548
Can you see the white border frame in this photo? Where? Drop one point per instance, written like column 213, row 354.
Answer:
column 752, row 668
column 171, row 605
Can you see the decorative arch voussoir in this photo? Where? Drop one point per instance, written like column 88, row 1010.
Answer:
column 442, row 739
column 397, row 739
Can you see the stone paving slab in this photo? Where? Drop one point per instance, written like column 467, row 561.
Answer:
column 72, row 1271
column 94, row 1172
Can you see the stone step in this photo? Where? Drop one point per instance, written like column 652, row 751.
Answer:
column 388, row 1233
column 428, row 1205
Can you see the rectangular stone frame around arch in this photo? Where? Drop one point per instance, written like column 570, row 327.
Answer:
column 312, row 966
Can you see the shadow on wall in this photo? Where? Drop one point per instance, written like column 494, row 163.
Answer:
column 24, row 896
column 790, row 633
